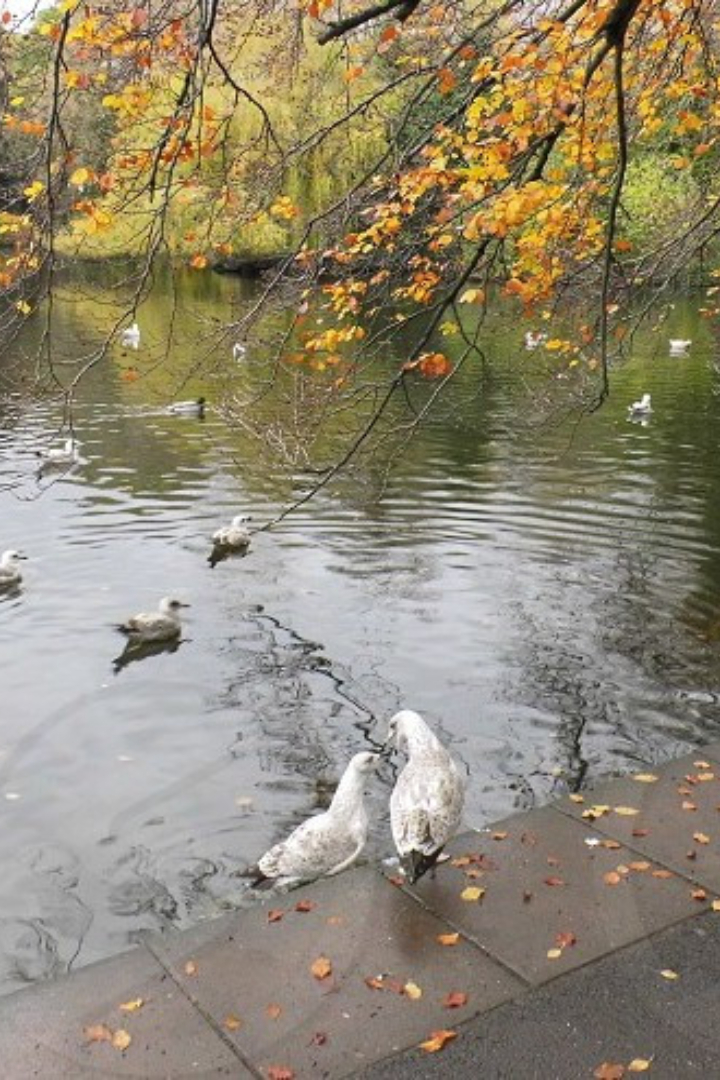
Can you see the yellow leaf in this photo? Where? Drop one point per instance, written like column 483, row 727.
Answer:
column 554, row 954
column 121, row 1039
column 452, row 939
column 701, row 838
column 232, row 1022
column 191, row 968
column 16, row 101
column 639, row 1065
column 321, row 967
column 472, row 296
column 668, row 973
column 132, row 1006
column 437, row 1040
column 23, row 307
column 413, row 991
column 645, row 778
column 80, row 177
column 716, row 905
column 576, row 798
column 472, row 893
column 626, row 811
column 33, row 190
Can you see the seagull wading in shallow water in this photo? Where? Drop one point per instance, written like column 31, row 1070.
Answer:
column 235, row 536
column 328, row 843
column 9, row 570
column 161, row 625
column 641, row 407
column 427, row 800
column 59, row 455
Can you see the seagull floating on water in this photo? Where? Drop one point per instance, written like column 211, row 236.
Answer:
column 130, row 336
column 238, row 350
column 641, row 407
column 679, row 346
column 9, row 570
column 161, row 625
column 534, row 340
column 188, row 408
column 231, row 539
column 328, row 843
column 56, row 455
column 427, row 800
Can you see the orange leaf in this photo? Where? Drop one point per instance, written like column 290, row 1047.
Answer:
column 455, row 1000
column 699, row 894
column 554, row 882
column 275, row 915
column 321, row 968
column 701, row 838
column 608, row 1071
column 448, row 939
column 565, row 938
column 280, row 1072
column 437, row 1040
column 305, row 905
column 190, row 968
column 98, row 1033
column 273, row 1010
column 199, row 262
column 121, row 1039
column 232, row 1022
column 612, row 878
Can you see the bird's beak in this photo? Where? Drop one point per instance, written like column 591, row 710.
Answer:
column 182, row 604
column 20, row 555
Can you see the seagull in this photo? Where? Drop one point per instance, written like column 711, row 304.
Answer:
column 230, row 539
column 130, row 336
column 328, row 843
column 641, row 407
column 534, row 340
column 56, row 455
column 427, row 800
column 679, row 346
column 188, row 408
column 161, row 625
column 238, row 350
column 9, row 569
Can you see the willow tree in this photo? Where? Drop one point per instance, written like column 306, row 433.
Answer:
column 466, row 152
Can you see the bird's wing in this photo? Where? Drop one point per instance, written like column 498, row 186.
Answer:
column 426, row 804
column 315, row 848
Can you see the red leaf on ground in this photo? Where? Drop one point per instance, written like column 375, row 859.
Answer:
column 305, row 905
column 608, row 1071
column 275, row 915
column 455, row 999
column 97, row 1033
column 555, row 882
column 273, row 1010
column 280, row 1072
column 565, row 938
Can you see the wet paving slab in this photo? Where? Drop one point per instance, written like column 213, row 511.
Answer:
column 548, row 900
column 76, row 1026
column 354, row 975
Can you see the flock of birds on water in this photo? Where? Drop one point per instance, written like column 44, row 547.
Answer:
column 427, row 799
column 637, row 410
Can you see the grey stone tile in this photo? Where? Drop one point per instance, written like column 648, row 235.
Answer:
column 615, row 1010
column 243, row 964
column 542, row 880
column 676, row 814
column 42, row 1028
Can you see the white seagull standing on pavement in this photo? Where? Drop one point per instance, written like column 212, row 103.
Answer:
column 427, row 800
column 161, row 625
column 328, row 843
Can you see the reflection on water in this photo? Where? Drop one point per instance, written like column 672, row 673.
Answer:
column 548, row 594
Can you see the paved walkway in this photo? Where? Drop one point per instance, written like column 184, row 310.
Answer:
column 563, row 939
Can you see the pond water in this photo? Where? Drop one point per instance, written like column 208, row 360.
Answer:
column 548, row 594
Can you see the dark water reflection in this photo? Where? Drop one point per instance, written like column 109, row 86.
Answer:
column 549, row 594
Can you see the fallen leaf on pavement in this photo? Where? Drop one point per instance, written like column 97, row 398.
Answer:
column 98, row 1033
column 626, row 811
column 701, row 838
column 335, row 920
column 321, row 968
column 554, row 882
column 611, row 845
column 498, row 836
column 273, row 1010
column 640, row 867
column 716, row 905
column 612, row 878
column 698, row 894
column 702, row 764
column 232, row 1022
column 472, row 893
column 121, row 1039
column 318, row 1039
column 279, row 1072
column 663, row 874
column 576, row 798
column 639, row 1065
column 609, row 1071
column 565, row 938
column 645, row 778
column 703, row 777
column 413, row 991
column 374, row 982
column 437, row 1040
column 687, row 805
column 448, row 939
column 455, row 1000
column 668, row 973
column 554, row 954
column 190, row 968
column 275, row 915
column 641, row 832
column 305, row 905
column 132, row 1006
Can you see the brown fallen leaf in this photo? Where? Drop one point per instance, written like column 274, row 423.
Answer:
column 703, row 777
column 318, row 1039
column 668, row 973
column 565, row 938
column 273, row 1010
column 448, row 939
column 554, row 882
column 190, row 968
column 576, row 798
column 626, row 811
column 437, row 1040
column 132, row 1006
column 609, row 1071
column 321, row 968
column 698, row 894
column 552, row 860
column 397, row 881
column 455, row 1000
column 121, row 1039
column 374, row 982
column 280, row 1072
column 640, row 867
column 638, row 1065
column 612, row 878
column 497, row 836
column 687, row 805
column 413, row 991
column 97, row 1033
column 275, row 915
column 527, row 897
column 641, row 832
column 702, row 764
column 701, row 838
column 691, row 854
column 472, row 894
column 232, row 1022
column 663, row 874
column 305, row 905
column 645, row 778
column 611, row 845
